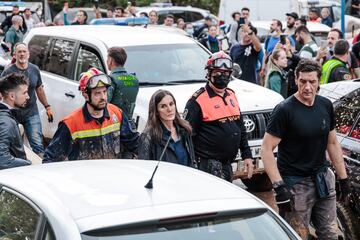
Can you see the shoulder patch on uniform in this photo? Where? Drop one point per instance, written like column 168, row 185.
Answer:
column 198, row 92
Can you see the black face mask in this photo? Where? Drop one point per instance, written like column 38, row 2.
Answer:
column 221, row 81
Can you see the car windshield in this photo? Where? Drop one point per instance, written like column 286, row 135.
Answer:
column 259, row 225
column 167, row 64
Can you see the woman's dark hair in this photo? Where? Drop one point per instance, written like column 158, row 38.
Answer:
column 85, row 14
column 307, row 65
column 153, row 125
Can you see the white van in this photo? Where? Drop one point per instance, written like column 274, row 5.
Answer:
column 159, row 59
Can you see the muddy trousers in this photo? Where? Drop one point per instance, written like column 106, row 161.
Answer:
column 217, row 168
column 307, row 206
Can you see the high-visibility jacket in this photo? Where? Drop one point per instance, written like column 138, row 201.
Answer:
column 218, row 125
column 96, row 140
column 328, row 68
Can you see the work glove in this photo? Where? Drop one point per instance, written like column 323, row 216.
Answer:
column 284, row 199
column 49, row 114
column 345, row 191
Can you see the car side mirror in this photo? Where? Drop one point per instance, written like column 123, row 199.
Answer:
column 237, row 72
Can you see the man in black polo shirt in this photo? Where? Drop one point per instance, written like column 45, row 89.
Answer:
column 302, row 127
column 218, row 127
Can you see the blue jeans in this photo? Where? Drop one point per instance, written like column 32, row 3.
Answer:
column 33, row 130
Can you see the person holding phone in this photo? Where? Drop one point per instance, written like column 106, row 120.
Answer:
column 80, row 19
column 234, row 34
column 246, row 53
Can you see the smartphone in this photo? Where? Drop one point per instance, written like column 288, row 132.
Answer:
column 323, row 44
column 241, row 21
column 283, row 39
column 96, row 3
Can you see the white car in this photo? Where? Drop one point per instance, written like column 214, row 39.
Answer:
column 160, row 60
column 107, row 200
column 188, row 13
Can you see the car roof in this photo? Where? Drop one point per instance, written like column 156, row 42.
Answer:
column 186, row 8
column 336, row 90
column 114, row 35
column 113, row 191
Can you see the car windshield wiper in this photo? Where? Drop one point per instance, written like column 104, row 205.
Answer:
column 152, row 83
column 189, row 81
column 177, row 82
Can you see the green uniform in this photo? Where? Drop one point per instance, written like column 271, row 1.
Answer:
column 123, row 90
column 334, row 70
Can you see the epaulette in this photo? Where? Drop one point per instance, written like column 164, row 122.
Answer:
column 198, row 92
column 230, row 90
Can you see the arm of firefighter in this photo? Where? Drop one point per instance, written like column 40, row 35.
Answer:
column 335, row 155
column 129, row 136
column 193, row 114
column 60, row 146
column 244, row 144
column 6, row 159
column 268, row 145
column 145, row 147
column 245, row 149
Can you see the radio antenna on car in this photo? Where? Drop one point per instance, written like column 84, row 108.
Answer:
column 149, row 184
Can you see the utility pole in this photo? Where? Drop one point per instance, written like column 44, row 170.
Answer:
column 343, row 16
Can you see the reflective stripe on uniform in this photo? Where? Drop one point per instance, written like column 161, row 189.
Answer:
column 96, row 132
column 327, row 69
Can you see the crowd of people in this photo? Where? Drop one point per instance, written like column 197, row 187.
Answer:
column 211, row 130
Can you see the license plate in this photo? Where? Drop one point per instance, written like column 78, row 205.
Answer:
column 255, row 152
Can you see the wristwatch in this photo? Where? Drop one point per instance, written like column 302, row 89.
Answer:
column 278, row 184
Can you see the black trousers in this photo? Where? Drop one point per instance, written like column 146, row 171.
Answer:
column 221, row 169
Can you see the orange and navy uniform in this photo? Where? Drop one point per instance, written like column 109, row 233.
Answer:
column 218, row 126
column 80, row 136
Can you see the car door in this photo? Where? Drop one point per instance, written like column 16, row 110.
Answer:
column 55, row 58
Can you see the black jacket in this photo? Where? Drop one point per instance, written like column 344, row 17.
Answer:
column 150, row 150
column 12, row 153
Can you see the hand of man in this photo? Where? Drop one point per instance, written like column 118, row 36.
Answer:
column 283, row 199
column 249, row 167
column 49, row 114
column 345, row 191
